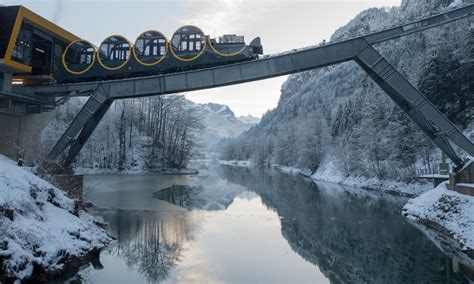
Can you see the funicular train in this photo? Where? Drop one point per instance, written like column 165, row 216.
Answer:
column 151, row 53
column 37, row 51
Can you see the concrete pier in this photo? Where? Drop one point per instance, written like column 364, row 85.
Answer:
column 463, row 180
column 20, row 130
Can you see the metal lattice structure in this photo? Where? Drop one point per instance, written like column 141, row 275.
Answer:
column 433, row 123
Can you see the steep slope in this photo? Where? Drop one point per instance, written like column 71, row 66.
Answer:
column 337, row 120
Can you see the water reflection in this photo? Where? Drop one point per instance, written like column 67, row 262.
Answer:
column 349, row 236
column 353, row 236
column 149, row 242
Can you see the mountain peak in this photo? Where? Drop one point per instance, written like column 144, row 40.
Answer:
column 218, row 108
column 249, row 119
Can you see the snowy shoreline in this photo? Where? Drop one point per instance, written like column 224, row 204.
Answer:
column 383, row 186
column 43, row 233
column 447, row 212
column 327, row 175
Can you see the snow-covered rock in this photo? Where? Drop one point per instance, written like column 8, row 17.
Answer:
column 447, row 211
column 40, row 227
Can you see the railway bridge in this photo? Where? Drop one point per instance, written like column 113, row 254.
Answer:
column 360, row 49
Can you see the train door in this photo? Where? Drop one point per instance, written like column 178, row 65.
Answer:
column 42, row 54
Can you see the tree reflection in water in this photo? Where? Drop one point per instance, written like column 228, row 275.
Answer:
column 150, row 242
column 353, row 236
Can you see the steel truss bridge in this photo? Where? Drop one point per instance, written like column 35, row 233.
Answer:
column 360, row 49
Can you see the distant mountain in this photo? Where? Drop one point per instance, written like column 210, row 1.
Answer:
column 249, row 119
column 219, row 122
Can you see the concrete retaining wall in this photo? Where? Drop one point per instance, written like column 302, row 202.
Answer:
column 20, row 133
column 463, row 180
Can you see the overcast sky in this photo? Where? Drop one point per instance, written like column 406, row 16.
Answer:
column 281, row 24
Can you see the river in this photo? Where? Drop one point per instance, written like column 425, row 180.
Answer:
column 243, row 225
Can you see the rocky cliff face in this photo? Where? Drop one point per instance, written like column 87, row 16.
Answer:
column 339, row 116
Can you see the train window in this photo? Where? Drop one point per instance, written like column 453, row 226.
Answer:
column 79, row 57
column 23, row 49
column 150, row 48
column 184, row 46
column 114, row 52
column 188, row 43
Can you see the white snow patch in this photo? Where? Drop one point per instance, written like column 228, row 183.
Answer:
column 38, row 225
column 236, row 163
column 450, row 209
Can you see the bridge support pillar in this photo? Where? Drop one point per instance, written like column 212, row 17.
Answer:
column 21, row 132
column 463, row 180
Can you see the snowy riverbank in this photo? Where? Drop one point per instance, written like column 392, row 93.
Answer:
column 41, row 229
column 331, row 175
column 447, row 212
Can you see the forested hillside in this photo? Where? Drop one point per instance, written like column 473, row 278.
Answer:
column 155, row 133
column 337, row 120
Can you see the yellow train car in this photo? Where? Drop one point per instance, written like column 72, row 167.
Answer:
column 30, row 46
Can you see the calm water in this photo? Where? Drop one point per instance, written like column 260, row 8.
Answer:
column 236, row 225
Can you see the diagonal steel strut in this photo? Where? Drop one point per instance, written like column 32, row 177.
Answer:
column 98, row 102
column 433, row 123
column 86, row 132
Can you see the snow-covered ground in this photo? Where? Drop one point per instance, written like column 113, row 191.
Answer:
column 445, row 210
column 40, row 227
column 330, row 174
